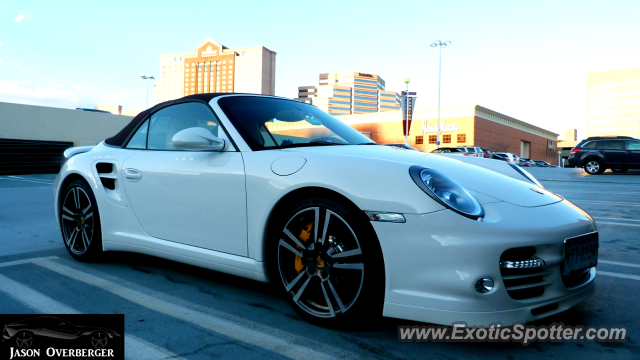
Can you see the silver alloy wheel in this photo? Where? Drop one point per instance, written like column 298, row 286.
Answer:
column 24, row 340
column 322, row 268
column 77, row 220
column 99, row 340
column 592, row 167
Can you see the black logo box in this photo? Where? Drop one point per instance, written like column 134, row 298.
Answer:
column 52, row 334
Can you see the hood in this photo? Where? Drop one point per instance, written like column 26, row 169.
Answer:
column 472, row 177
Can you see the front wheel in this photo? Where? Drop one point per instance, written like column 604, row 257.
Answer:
column 594, row 167
column 24, row 340
column 80, row 222
column 327, row 261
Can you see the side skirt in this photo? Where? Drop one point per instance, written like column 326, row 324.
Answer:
column 208, row 259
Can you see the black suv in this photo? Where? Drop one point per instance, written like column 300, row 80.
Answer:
column 598, row 153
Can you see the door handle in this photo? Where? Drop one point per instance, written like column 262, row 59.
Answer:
column 132, row 175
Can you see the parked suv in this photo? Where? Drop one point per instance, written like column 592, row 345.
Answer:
column 598, row 153
column 512, row 157
column 473, row 150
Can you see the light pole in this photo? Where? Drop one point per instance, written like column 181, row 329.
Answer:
column 147, row 77
column 440, row 45
column 406, row 126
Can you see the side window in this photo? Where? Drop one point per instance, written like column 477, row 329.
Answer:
column 611, row 145
column 590, row 145
column 139, row 139
column 165, row 123
column 633, row 145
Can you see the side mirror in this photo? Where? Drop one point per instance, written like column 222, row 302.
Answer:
column 197, row 139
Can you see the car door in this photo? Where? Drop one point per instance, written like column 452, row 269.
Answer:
column 613, row 151
column 633, row 153
column 196, row 198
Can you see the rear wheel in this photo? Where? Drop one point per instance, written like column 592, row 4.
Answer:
column 594, row 167
column 327, row 262
column 619, row 170
column 99, row 340
column 80, row 222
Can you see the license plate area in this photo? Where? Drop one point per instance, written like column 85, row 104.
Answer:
column 580, row 252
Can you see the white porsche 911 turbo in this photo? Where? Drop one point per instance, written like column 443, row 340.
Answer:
column 277, row 190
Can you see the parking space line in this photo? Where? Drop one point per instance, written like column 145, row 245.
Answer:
column 609, row 262
column 607, row 202
column 285, row 344
column 614, row 223
column 35, row 180
column 623, row 276
column 25, row 261
column 31, row 179
column 135, row 348
column 610, row 218
column 33, row 299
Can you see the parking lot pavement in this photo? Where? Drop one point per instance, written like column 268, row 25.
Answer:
column 179, row 311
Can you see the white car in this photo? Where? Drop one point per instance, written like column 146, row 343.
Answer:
column 512, row 158
column 277, row 190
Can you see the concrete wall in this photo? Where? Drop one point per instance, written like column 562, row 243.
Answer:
column 28, row 122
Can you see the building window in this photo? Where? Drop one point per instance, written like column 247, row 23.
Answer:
column 244, row 53
column 419, row 140
column 446, row 139
column 433, row 139
column 462, row 138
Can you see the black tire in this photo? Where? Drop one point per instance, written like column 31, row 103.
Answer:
column 594, row 167
column 619, row 170
column 80, row 221
column 24, row 339
column 349, row 288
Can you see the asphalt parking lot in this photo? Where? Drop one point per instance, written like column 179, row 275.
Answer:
column 178, row 311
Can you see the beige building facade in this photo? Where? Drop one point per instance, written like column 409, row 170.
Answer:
column 613, row 103
column 213, row 67
column 350, row 93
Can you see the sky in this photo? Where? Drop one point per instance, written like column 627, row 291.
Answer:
column 524, row 59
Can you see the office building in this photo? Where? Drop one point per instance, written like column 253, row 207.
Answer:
column 613, row 103
column 216, row 68
column 350, row 93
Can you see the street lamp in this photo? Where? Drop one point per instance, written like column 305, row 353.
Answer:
column 147, row 77
column 440, row 45
column 406, row 130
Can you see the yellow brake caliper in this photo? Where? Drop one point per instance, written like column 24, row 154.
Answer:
column 304, row 237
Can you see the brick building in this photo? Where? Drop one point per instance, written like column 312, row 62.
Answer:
column 463, row 126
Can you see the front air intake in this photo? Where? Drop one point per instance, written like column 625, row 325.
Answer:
column 523, row 274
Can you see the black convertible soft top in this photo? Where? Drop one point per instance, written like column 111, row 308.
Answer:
column 119, row 139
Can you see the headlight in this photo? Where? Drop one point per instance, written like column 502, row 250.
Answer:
column 447, row 192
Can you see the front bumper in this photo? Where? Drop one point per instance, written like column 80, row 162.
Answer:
column 433, row 261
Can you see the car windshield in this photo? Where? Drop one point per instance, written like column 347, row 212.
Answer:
column 267, row 123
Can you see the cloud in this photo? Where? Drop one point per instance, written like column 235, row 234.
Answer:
column 0, row 61
column 81, row 87
column 0, row 44
column 19, row 18
column 56, row 96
